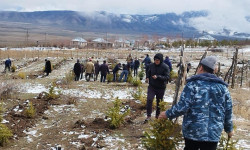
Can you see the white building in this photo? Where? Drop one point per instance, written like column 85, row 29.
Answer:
column 206, row 38
column 78, row 42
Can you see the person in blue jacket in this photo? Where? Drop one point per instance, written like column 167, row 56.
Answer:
column 206, row 105
column 7, row 64
column 147, row 62
column 168, row 62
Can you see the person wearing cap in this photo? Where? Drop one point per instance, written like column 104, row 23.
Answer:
column 206, row 105
column 90, row 68
column 157, row 77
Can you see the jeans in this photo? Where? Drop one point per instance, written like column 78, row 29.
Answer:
column 114, row 76
column 96, row 76
column 124, row 72
column 103, row 77
column 199, row 145
column 152, row 92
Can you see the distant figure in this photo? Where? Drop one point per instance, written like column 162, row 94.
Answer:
column 188, row 67
column 147, row 62
column 115, row 70
column 7, row 64
column 47, row 67
column 129, row 60
column 82, row 70
column 136, row 66
column 97, row 69
column 124, row 73
column 132, row 65
column 77, row 70
column 104, row 69
column 90, row 68
column 168, row 62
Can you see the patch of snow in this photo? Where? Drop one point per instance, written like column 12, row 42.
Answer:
column 83, row 136
column 5, row 121
column 32, row 88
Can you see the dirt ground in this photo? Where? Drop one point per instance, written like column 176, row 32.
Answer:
column 77, row 119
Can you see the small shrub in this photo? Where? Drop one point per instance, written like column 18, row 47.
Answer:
column 115, row 115
column 30, row 112
column 22, row 75
column 13, row 68
column 130, row 78
column 141, row 74
column 139, row 95
column 5, row 134
column 109, row 77
column 227, row 144
column 136, row 82
column 70, row 76
column 1, row 112
column 163, row 134
column 173, row 75
column 52, row 93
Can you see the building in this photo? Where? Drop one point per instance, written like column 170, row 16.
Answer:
column 78, row 42
column 121, row 43
column 100, row 43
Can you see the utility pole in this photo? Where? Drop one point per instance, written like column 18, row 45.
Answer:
column 27, row 37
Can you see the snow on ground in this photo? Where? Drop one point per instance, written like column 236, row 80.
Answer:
column 32, row 88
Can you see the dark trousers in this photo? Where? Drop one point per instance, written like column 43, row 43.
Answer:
column 77, row 77
column 87, row 76
column 103, row 77
column 199, row 145
column 7, row 66
column 152, row 92
column 96, row 76
column 81, row 75
column 47, row 73
column 135, row 71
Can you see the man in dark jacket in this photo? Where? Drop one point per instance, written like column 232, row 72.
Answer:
column 124, row 73
column 104, row 69
column 77, row 70
column 47, row 67
column 7, row 64
column 147, row 62
column 97, row 69
column 115, row 70
column 157, row 76
column 136, row 66
column 206, row 105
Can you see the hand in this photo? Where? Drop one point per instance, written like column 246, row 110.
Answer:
column 163, row 115
column 230, row 134
column 154, row 76
column 146, row 80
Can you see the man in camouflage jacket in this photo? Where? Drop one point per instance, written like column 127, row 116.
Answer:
column 206, row 105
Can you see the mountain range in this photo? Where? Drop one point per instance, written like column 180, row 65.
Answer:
column 160, row 24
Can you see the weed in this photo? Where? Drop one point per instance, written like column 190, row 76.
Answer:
column 30, row 112
column 22, row 75
column 130, row 78
column 115, row 115
column 109, row 78
column 69, row 77
column 5, row 134
column 13, row 68
column 141, row 74
column 136, row 82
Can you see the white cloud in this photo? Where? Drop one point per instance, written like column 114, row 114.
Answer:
column 223, row 13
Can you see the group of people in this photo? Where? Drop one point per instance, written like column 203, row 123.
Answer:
column 205, row 103
column 93, row 69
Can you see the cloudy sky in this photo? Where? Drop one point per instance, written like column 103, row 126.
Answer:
column 222, row 13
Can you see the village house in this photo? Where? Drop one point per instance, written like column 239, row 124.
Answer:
column 78, row 42
column 121, row 43
column 100, row 43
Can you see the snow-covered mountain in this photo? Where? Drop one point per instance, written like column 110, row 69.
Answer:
column 162, row 24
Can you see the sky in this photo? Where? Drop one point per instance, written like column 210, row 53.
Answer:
column 222, row 13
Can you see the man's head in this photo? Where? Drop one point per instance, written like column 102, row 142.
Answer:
column 104, row 61
column 158, row 58
column 78, row 60
column 207, row 64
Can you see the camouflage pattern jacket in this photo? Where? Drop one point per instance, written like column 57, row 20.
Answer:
column 207, row 108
